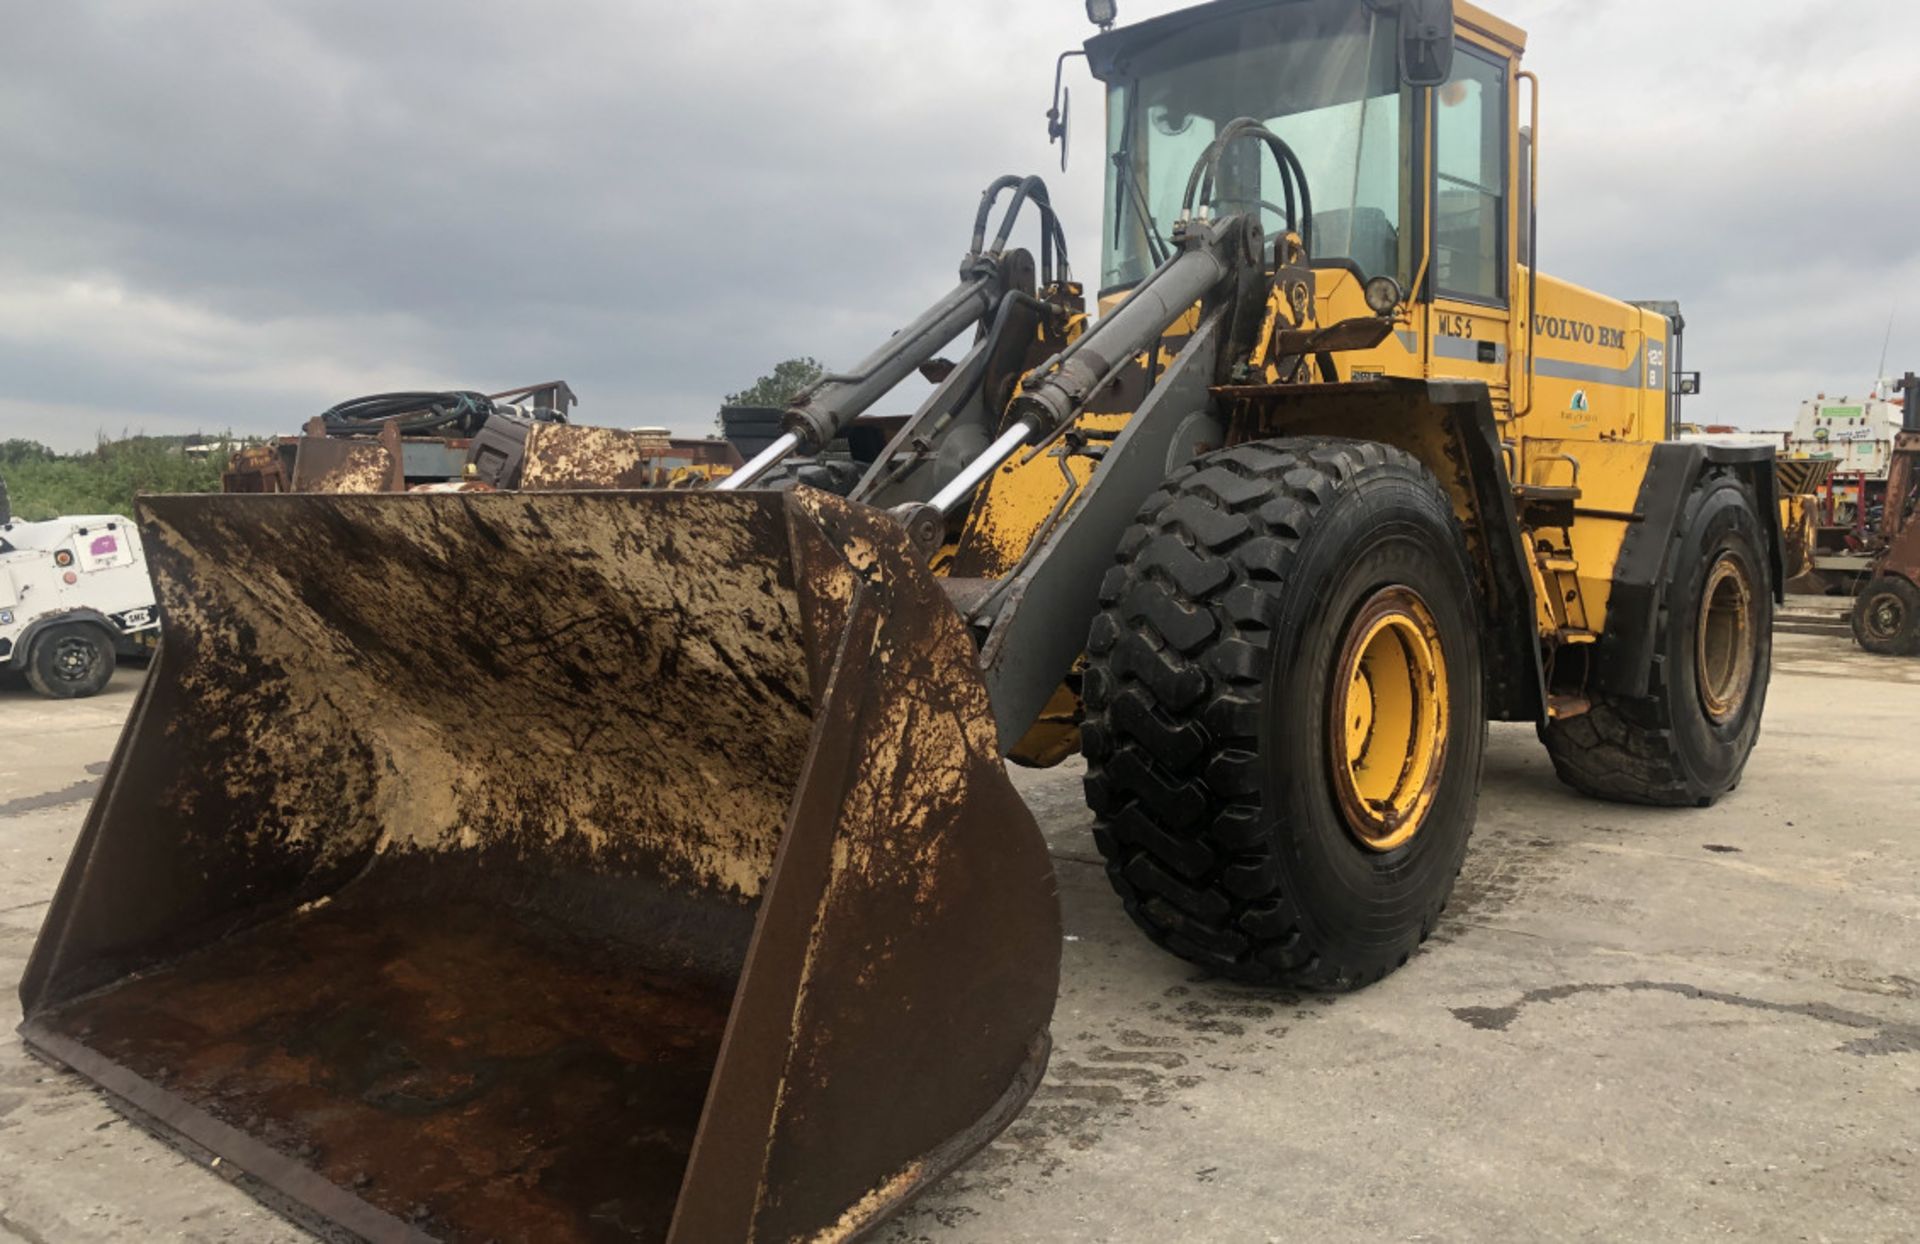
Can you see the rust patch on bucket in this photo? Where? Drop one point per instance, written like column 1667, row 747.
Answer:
column 477, row 1071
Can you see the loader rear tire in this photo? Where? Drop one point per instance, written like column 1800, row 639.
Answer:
column 1248, row 825
column 1886, row 618
column 71, row 662
column 1685, row 743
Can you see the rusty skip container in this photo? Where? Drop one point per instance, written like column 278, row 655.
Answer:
column 567, row 867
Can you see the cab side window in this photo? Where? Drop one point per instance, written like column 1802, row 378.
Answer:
column 1470, row 180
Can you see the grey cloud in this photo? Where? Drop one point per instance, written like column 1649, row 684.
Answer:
column 234, row 214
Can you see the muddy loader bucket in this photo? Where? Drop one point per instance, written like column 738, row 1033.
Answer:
column 584, row 866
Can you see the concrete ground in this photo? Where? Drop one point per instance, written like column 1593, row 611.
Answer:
column 1633, row 1025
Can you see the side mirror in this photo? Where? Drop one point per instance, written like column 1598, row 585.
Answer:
column 1060, row 116
column 1426, row 42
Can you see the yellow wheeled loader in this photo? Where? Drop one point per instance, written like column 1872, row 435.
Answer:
column 640, row 866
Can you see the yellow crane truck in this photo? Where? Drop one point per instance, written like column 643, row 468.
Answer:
column 598, row 865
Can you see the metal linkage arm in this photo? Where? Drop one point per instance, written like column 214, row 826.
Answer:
column 821, row 413
column 824, row 410
column 1210, row 253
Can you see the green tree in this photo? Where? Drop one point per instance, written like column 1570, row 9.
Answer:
column 17, row 451
column 105, row 479
column 781, row 386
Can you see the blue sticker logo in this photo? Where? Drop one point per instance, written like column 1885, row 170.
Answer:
column 1579, row 406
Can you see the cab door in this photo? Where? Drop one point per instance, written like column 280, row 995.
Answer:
column 1469, row 294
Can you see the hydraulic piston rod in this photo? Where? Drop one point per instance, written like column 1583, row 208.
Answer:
column 955, row 494
column 819, row 416
column 823, row 411
column 1209, row 256
column 764, row 461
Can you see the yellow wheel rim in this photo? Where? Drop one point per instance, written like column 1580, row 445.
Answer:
column 1724, row 648
column 1389, row 724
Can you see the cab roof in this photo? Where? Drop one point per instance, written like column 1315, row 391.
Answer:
column 1105, row 51
column 1477, row 20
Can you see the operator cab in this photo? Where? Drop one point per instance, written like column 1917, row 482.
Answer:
column 1343, row 83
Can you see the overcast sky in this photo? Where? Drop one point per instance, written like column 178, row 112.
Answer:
column 233, row 213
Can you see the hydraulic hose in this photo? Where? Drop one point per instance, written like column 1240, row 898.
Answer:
column 1200, row 183
column 1053, row 237
column 456, row 413
column 1210, row 253
column 821, row 412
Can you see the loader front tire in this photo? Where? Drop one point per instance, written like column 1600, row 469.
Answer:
column 1685, row 743
column 1886, row 618
column 71, row 661
column 1284, row 713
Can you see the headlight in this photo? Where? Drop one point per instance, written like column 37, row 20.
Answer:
column 1103, row 13
column 1383, row 295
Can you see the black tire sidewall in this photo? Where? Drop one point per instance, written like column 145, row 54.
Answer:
column 47, row 681
column 1722, row 521
column 1906, row 642
column 1395, row 529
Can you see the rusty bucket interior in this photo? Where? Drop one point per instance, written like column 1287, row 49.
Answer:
column 582, row 866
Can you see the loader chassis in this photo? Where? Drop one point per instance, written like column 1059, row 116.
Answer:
column 1638, row 648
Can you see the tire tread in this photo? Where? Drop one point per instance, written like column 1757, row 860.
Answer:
column 1174, row 704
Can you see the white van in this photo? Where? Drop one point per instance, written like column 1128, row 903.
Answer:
column 74, row 598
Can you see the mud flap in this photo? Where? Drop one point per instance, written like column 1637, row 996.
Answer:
column 614, row 866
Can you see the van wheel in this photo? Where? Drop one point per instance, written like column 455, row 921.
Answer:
column 71, row 662
column 1284, row 721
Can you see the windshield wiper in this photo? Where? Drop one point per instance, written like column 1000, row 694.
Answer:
column 1158, row 249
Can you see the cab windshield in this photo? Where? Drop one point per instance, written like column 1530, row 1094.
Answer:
column 1322, row 74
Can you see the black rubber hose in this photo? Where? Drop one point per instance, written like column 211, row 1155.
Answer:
column 457, row 413
column 1200, row 182
column 1030, row 188
column 1053, row 236
column 987, row 199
